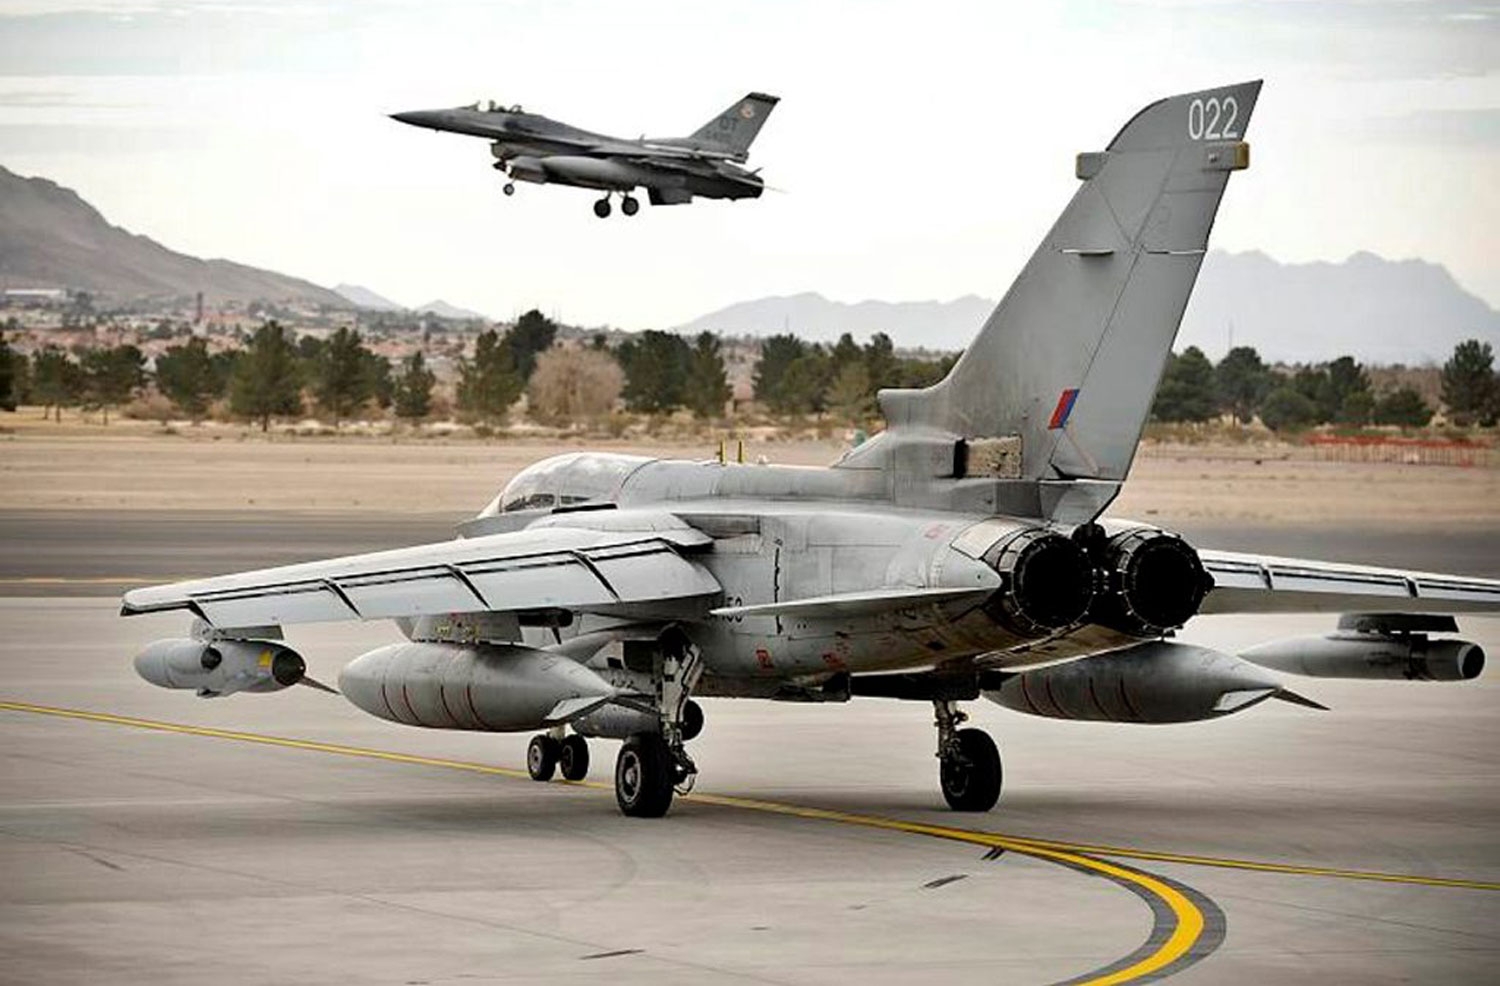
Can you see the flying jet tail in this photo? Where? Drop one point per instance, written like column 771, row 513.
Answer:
column 733, row 130
column 1067, row 364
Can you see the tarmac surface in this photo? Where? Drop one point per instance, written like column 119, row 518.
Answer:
column 150, row 837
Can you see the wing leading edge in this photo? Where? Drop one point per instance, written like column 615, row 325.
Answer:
column 535, row 569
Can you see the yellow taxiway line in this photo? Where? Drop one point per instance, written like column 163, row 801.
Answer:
column 1189, row 920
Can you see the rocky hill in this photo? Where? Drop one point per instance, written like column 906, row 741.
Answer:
column 50, row 237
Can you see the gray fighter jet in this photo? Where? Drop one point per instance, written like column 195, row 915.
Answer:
column 961, row 553
column 530, row 147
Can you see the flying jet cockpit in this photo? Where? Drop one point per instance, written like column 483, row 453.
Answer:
column 564, row 480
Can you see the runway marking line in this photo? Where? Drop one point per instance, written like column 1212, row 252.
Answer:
column 1161, row 959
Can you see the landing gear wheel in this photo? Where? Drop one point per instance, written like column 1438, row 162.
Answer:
column 509, row 188
column 971, row 777
column 601, row 208
column 541, row 757
column 573, row 758
column 630, row 205
column 644, row 776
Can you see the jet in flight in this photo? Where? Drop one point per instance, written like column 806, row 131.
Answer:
column 530, row 147
column 960, row 554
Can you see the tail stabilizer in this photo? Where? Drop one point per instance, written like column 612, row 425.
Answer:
column 733, row 130
column 1069, row 360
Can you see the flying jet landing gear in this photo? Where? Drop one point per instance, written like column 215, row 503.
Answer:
column 601, row 208
column 630, row 205
column 509, row 188
column 969, row 763
column 652, row 767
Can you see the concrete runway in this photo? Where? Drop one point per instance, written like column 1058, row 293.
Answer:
column 191, row 846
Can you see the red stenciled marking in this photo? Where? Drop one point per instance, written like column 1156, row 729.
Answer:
column 763, row 658
column 1064, row 408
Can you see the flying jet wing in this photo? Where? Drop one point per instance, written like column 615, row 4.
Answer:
column 1263, row 584
column 625, row 572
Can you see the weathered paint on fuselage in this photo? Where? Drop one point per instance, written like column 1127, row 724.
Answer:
column 783, row 533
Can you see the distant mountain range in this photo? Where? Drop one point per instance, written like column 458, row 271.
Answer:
column 50, row 237
column 1380, row 311
column 363, row 297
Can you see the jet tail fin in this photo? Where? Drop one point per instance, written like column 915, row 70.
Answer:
column 733, row 130
column 1069, row 361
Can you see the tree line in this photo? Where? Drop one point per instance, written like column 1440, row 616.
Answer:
column 1243, row 386
column 654, row 372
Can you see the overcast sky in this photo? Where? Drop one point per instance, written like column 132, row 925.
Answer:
column 921, row 148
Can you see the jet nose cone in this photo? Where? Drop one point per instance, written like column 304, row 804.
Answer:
column 417, row 118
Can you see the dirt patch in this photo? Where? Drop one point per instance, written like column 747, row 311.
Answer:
column 132, row 469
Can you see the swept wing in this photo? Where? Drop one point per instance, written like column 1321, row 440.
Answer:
column 1246, row 583
column 624, row 572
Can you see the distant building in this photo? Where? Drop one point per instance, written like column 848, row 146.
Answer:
column 32, row 295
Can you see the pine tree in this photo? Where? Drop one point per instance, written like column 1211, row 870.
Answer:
column 267, row 381
column 1242, row 382
column 8, row 395
column 488, row 384
column 656, row 366
column 706, row 389
column 1470, row 388
column 341, row 374
column 412, row 388
column 532, row 335
column 56, row 381
column 1186, row 392
column 187, row 377
column 112, row 376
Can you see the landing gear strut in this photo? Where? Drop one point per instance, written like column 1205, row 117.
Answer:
column 969, row 763
column 652, row 767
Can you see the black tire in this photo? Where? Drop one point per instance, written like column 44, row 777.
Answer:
column 573, row 758
column 541, row 757
column 630, row 205
column 601, row 208
column 644, row 776
column 692, row 721
column 509, row 188
column 971, row 780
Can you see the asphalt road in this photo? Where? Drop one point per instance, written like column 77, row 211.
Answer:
column 150, row 837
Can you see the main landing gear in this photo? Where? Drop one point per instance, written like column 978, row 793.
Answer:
column 547, row 753
column 629, row 205
column 652, row 767
column 969, row 763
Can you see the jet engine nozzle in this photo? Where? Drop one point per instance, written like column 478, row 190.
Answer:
column 1154, row 581
column 1047, row 584
column 221, row 667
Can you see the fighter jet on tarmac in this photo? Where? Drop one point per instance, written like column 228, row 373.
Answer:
column 531, row 147
column 960, row 554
